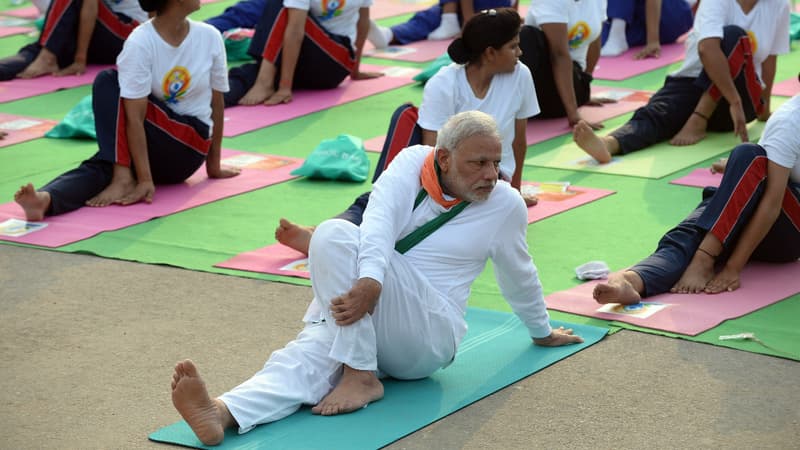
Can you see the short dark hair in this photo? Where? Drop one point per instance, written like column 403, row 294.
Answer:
column 153, row 5
column 488, row 28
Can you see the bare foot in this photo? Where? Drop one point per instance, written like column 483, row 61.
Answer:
column 530, row 200
column 121, row 185
column 294, row 236
column 719, row 165
column 259, row 93
column 594, row 145
column 34, row 203
column 355, row 390
column 191, row 399
column 44, row 64
column 278, row 98
column 619, row 289
column 693, row 131
column 696, row 276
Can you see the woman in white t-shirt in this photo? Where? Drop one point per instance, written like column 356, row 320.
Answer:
column 74, row 33
column 305, row 44
column 560, row 44
column 754, row 214
column 486, row 76
column 740, row 37
column 158, row 118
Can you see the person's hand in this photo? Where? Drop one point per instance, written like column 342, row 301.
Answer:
column 76, row 68
column 223, row 172
column 558, row 337
column 282, row 95
column 3, row 134
column 651, row 50
column 592, row 125
column 361, row 299
column 719, row 165
column 726, row 280
column 599, row 101
column 739, row 122
column 143, row 191
column 365, row 75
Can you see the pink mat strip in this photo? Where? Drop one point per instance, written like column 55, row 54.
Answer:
column 19, row 88
column 242, row 119
column 691, row 314
column 197, row 190
column 787, row 88
column 21, row 129
column 552, row 203
column 422, row 51
column 701, row 177
column 10, row 31
column 275, row 259
column 625, row 66
column 388, row 8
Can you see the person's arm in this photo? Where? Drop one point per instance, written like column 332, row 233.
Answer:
column 768, row 68
column 135, row 110
column 593, row 55
column 715, row 64
column 767, row 211
column 467, row 10
column 652, row 19
column 362, row 28
column 520, row 147
column 290, row 49
column 429, row 137
column 86, row 24
column 214, row 168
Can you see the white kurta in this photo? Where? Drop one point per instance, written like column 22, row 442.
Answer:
column 419, row 319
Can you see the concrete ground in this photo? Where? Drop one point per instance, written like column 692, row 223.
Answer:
column 87, row 347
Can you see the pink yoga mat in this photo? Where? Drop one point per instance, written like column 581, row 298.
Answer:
column 10, row 31
column 699, row 178
column 624, row 66
column 276, row 259
column 540, row 130
column 21, row 129
column 554, row 201
column 258, row 171
column 787, row 88
column 19, row 88
column 421, row 51
column 691, row 314
column 241, row 119
column 28, row 12
column 387, row 8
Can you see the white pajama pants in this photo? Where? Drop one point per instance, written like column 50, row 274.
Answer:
column 410, row 335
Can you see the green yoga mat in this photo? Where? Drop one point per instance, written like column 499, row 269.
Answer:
column 495, row 353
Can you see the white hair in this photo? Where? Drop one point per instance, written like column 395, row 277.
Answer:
column 465, row 125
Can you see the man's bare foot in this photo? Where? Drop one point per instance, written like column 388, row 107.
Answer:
column 693, row 131
column 122, row 184
column 294, row 236
column 277, row 98
column 594, row 145
column 33, row 202
column 44, row 64
column 259, row 93
column 619, row 289
column 719, row 165
column 696, row 276
column 355, row 390
column 190, row 397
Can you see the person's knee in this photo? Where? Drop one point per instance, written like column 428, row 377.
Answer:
column 731, row 34
column 745, row 153
column 331, row 235
column 106, row 78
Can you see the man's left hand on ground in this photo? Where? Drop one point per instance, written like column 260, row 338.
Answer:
column 358, row 301
column 558, row 337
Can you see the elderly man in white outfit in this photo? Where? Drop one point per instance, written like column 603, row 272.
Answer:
column 389, row 300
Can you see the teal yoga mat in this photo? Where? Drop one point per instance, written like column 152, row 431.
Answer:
column 495, row 353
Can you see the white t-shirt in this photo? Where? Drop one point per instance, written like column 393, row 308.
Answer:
column 584, row 19
column 780, row 137
column 337, row 16
column 182, row 76
column 455, row 254
column 767, row 25
column 511, row 96
column 130, row 8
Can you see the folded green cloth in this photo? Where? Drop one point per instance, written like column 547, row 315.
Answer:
column 430, row 70
column 342, row 158
column 78, row 123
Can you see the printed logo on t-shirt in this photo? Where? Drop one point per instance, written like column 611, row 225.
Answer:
column 331, row 9
column 753, row 41
column 578, row 34
column 176, row 83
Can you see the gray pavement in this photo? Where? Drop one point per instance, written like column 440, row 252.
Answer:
column 87, row 347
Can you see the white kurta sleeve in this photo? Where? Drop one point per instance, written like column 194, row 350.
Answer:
column 390, row 206
column 516, row 274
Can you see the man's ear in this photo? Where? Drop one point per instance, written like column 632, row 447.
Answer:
column 444, row 157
